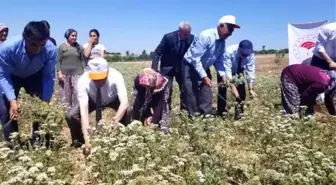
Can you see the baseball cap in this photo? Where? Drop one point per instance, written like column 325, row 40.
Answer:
column 228, row 19
column 97, row 68
column 246, row 47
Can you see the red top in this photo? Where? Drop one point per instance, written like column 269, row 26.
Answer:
column 310, row 80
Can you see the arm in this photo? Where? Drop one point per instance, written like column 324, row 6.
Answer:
column 49, row 70
column 195, row 53
column 83, row 100
column 122, row 95
column 310, row 94
column 5, row 68
column 321, row 44
column 158, row 53
column 103, row 51
column 220, row 65
column 329, row 102
column 227, row 64
column 250, row 72
column 83, row 62
column 87, row 49
column 59, row 58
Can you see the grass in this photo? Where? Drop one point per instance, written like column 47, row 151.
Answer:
column 263, row 148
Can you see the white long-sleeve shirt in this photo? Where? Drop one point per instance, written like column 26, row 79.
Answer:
column 326, row 41
column 114, row 88
column 231, row 57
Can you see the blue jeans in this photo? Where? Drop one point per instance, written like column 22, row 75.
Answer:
column 33, row 87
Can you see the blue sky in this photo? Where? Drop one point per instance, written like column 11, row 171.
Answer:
column 136, row 25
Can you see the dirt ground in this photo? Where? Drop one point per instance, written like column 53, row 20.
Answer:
column 264, row 64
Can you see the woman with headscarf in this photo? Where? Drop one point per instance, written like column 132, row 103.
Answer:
column 93, row 48
column 3, row 33
column 301, row 84
column 70, row 67
column 151, row 94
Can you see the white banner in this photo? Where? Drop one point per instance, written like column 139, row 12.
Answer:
column 301, row 41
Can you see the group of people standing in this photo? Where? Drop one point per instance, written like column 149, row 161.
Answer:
column 86, row 83
column 188, row 59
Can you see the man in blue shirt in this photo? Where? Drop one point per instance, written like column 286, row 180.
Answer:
column 239, row 59
column 26, row 61
column 206, row 50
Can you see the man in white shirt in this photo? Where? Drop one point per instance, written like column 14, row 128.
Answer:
column 100, row 86
column 325, row 49
column 239, row 59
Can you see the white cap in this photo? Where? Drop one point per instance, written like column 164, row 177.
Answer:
column 97, row 68
column 228, row 19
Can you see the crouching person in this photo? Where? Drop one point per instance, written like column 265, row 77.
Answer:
column 29, row 62
column 239, row 59
column 151, row 95
column 300, row 86
column 100, row 86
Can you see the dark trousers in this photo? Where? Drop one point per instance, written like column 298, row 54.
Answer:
column 221, row 98
column 198, row 96
column 317, row 62
column 178, row 78
column 73, row 119
column 33, row 87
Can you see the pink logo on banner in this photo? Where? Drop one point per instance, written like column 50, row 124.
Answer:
column 303, row 47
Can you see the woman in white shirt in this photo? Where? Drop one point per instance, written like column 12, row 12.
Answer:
column 93, row 48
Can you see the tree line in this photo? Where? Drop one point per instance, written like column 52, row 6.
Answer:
column 144, row 56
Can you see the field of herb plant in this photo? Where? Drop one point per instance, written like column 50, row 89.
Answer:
column 263, row 148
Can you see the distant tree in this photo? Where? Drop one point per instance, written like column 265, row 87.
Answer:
column 151, row 54
column 263, row 47
column 127, row 53
column 144, row 55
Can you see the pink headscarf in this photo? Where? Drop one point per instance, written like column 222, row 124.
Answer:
column 151, row 78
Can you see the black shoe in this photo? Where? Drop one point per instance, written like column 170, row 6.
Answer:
column 76, row 144
column 238, row 112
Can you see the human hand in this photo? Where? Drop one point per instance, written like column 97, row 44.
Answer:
column 91, row 40
column 148, row 121
column 252, row 93
column 87, row 149
column 332, row 65
column 234, row 91
column 13, row 110
column 60, row 76
column 224, row 79
column 207, row 81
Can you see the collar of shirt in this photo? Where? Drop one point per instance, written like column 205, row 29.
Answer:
column 216, row 34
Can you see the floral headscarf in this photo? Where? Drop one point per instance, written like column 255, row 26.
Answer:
column 150, row 78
